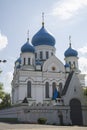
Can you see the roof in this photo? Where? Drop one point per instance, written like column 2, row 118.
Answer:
column 67, row 83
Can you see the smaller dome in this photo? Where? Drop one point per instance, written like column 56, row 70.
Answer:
column 18, row 60
column 27, row 48
column 70, row 52
column 18, row 63
column 66, row 65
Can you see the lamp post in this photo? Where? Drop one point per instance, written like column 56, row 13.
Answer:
column 4, row 61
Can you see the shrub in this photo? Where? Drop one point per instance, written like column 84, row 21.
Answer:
column 42, row 120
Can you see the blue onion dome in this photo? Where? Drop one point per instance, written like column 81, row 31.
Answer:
column 18, row 60
column 18, row 63
column 27, row 47
column 66, row 65
column 43, row 37
column 70, row 52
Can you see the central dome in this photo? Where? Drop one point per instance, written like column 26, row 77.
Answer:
column 42, row 37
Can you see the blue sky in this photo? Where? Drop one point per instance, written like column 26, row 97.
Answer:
column 62, row 18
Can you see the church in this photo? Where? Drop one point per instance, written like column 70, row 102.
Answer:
column 44, row 87
column 39, row 75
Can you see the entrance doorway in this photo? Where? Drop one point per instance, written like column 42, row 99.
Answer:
column 76, row 112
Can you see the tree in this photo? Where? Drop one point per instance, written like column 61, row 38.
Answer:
column 6, row 101
column 2, row 93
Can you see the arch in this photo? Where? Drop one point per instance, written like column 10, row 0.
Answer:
column 47, row 90
column 76, row 112
column 29, row 89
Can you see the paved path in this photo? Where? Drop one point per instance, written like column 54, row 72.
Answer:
column 7, row 126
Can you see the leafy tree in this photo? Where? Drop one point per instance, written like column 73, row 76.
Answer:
column 6, row 101
column 2, row 93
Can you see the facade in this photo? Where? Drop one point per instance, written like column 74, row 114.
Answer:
column 42, row 81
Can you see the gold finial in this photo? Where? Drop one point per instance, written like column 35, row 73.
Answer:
column 42, row 19
column 70, row 41
column 28, row 36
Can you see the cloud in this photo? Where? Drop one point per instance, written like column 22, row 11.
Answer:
column 7, row 81
column 3, row 41
column 66, row 9
column 83, row 64
column 83, row 67
column 83, row 50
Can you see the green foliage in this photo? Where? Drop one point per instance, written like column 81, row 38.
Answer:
column 2, row 93
column 42, row 120
column 6, row 101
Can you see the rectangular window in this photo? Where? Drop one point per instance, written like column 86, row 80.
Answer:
column 41, row 55
column 24, row 61
column 35, row 55
column 70, row 64
column 74, row 64
column 28, row 61
column 47, row 55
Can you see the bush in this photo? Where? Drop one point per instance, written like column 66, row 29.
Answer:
column 42, row 120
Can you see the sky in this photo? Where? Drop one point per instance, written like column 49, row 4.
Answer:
column 61, row 17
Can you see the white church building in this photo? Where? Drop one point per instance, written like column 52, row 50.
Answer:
column 43, row 86
column 39, row 75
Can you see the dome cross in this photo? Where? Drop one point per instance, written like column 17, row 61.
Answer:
column 28, row 35
column 42, row 19
column 70, row 41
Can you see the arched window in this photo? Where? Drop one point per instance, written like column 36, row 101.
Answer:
column 53, row 87
column 29, row 89
column 47, row 90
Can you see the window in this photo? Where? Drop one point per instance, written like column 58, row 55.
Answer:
column 53, row 87
column 47, row 54
column 70, row 64
column 28, row 61
column 41, row 55
column 74, row 64
column 29, row 89
column 24, row 61
column 47, row 90
column 36, row 55
column 51, row 53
